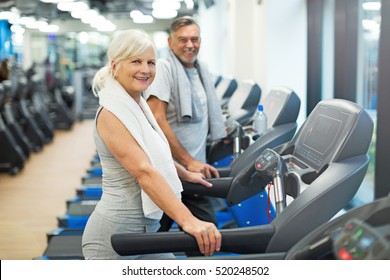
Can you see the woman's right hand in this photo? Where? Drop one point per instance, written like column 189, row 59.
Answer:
column 206, row 234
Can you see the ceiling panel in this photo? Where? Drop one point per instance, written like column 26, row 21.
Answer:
column 116, row 11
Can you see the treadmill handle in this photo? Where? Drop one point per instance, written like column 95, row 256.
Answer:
column 248, row 240
column 219, row 189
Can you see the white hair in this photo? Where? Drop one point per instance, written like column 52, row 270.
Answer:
column 125, row 44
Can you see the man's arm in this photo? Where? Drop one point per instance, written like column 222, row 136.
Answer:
column 159, row 109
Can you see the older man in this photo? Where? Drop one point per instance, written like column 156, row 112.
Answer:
column 183, row 100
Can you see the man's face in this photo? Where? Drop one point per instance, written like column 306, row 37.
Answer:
column 185, row 44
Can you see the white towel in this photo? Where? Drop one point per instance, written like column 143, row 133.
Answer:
column 187, row 102
column 140, row 122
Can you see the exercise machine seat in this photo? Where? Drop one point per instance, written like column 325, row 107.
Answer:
column 216, row 79
column 282, row 105
column 225, row 89
column 243, row 103
column 325, row 164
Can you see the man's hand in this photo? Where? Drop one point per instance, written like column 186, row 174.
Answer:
column 206, row 169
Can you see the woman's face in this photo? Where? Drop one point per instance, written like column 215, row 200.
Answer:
column 136, row 73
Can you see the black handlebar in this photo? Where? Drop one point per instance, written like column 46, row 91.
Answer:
column 248, row 240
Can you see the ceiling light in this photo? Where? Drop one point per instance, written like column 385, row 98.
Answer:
column 143, row 19
column 36, row 24
column 56, row 1
column 17, row 29
column 83, row 37
column 77, row 14
column 88, row 16
column 168, row 5
column 189, row 4
column 164, row 14
column 72, row 6
column 25, row 20
column 51, row 28
column 106, row 26
column 139, row 17
column 370, row 25
column 7, row 15
column 372, row 6
column 136, row 13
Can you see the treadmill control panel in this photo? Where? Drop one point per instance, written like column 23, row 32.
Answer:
column 359, row 241
column 266, row 162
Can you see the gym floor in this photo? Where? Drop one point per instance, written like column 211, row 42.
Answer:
column 31, row 201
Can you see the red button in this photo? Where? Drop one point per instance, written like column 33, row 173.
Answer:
column 258, row 165
column 345, row 255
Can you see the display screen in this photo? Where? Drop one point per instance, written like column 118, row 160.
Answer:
column 273, row 105
column 322, row 136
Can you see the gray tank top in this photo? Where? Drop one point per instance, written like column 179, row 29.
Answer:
column 121, row 199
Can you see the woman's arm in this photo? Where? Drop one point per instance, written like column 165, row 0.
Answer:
column 135, row 161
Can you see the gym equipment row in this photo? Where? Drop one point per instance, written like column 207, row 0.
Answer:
column 313, row 175
column 320, row 169
column 29, row 116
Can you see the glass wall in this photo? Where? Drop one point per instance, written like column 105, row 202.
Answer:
column 367, row 79
column 367, row 25
column 369, row 46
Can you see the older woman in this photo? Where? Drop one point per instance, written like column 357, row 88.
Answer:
column 140, row 178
